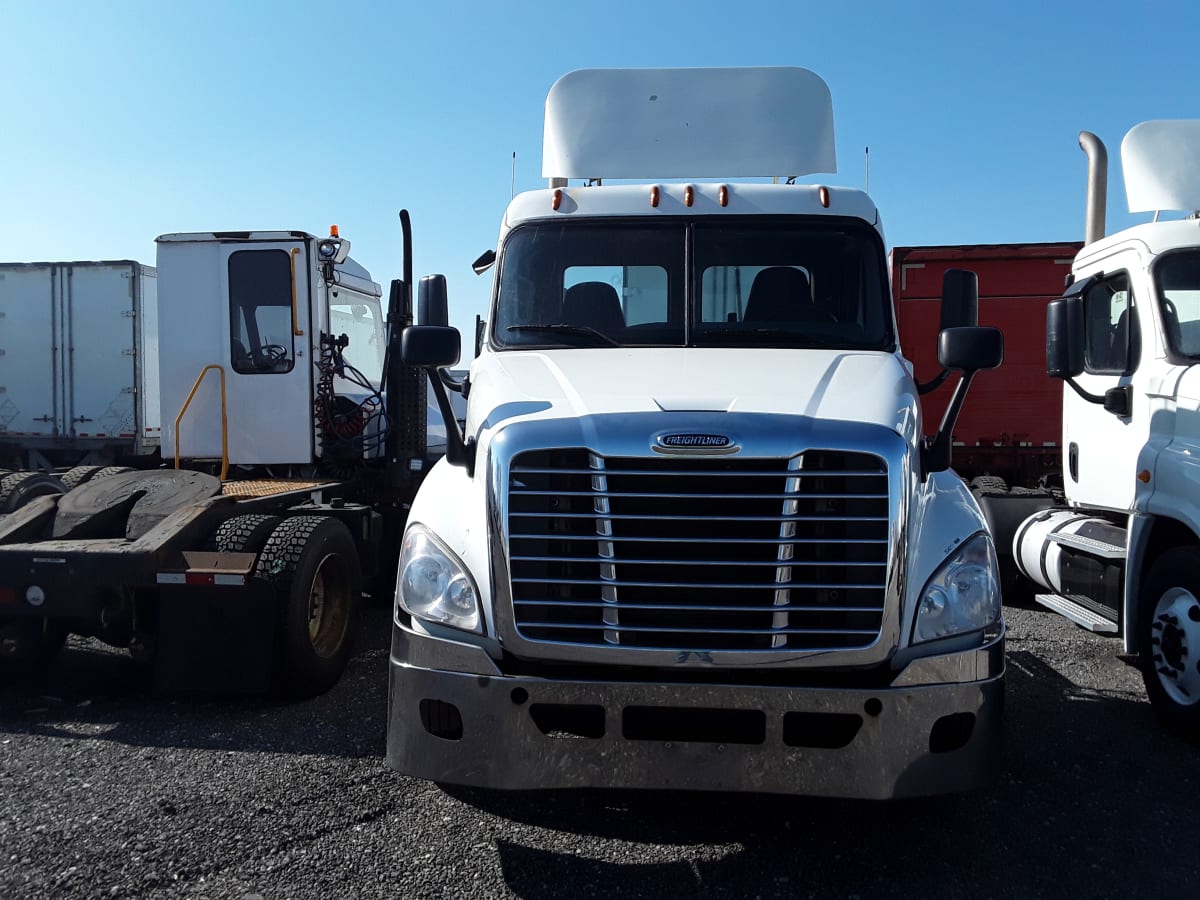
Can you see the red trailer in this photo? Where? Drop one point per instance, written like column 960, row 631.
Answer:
column 1012, row 428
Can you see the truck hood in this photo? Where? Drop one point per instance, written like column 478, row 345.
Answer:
column 843, row 385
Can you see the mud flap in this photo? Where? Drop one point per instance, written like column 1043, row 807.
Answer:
column 216, row 631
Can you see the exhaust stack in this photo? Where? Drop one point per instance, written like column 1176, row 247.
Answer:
column 1097, row 185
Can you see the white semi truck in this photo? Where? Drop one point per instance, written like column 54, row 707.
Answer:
column 692, row 535
column 1123, row 556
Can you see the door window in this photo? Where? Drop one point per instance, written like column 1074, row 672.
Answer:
column 1110, row 327
column 260, row 312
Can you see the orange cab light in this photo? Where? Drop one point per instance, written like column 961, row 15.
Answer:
column 689, row 195
column 557, row 201
column 823, row 195
column 654, row 193
column 1144, row 476
column 723, row 195
column 333, row 231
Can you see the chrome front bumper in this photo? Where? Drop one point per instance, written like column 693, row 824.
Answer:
column 454, row 717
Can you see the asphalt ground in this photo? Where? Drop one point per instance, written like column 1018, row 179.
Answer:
column 107, row 790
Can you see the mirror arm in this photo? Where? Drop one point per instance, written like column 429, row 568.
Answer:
column 459, row 387
column 460, row 451
column 935, row 455
column 1090, row 398
column 936, row 382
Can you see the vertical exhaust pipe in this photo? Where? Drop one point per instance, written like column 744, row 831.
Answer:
column 1097, row 185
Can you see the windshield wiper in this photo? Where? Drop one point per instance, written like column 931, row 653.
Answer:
column 562, row 328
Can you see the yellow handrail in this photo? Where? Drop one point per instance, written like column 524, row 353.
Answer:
column 296, row 329
column 224, row 419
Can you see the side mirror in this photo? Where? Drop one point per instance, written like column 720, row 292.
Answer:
column 432, row 308
column 484, row 262
column 430, row 346
column 960, row 299
column 971, row 348
column 1064, row 330
column 968, row 348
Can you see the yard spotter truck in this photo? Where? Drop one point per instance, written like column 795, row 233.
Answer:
column 240, row 566
column 1122, row 557
column 692, row 536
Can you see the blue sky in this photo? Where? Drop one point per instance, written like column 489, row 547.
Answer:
column 125, row 120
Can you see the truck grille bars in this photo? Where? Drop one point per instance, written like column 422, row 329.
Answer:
column 699, row 554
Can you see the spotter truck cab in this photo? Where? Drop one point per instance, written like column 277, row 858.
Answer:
column 692, row 535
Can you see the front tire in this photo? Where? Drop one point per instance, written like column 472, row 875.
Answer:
column 1169, row 639
column 313, row 563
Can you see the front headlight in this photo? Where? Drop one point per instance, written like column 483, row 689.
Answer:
column 963, row 595
column 433, row 584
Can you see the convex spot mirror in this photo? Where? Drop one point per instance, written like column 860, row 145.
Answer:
column 430, row 346
column 971, row 348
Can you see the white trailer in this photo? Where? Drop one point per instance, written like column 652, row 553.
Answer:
column 78, row 363
column 692, row 534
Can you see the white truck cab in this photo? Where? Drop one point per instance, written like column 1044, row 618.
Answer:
column 260, row 380
column 692, row 535
column 1123, row 556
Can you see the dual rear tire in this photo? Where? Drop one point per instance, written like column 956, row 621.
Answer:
column 312, row 564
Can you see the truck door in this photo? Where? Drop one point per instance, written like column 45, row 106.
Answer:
column 268, row 342
column 1101, row 447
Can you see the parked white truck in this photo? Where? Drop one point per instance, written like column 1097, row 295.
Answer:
column 692, row 536
column 1123, row 556
column 297, row 440
column 78, row 363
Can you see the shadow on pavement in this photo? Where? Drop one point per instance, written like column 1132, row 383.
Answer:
column 1088, row 779
column 94, row 691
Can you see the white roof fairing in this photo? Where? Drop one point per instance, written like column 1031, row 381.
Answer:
column 681, row 123
column 1161, row 163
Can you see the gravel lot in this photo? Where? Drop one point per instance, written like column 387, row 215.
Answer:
column 108, row 791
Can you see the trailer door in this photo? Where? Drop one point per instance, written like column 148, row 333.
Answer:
column 99, row 327
column 29, row 352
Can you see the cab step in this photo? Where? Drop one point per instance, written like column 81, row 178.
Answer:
column 1077, row 613
column 1088, row 545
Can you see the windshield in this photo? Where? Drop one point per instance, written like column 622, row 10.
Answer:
column 359, row 317
column 1178, row 277
column 779, row 282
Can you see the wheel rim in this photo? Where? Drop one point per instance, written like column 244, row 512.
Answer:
column 328, row 606
column 1175, row 637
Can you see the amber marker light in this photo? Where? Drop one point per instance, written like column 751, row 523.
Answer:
column 723, row 195
column 1144, row 476
column 557, row 201
column 654, row 195
column 823, row 196
column 689, row 195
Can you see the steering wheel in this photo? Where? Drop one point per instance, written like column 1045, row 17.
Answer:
column 268, row 355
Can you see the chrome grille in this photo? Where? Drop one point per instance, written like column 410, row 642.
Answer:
column 699, row 554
